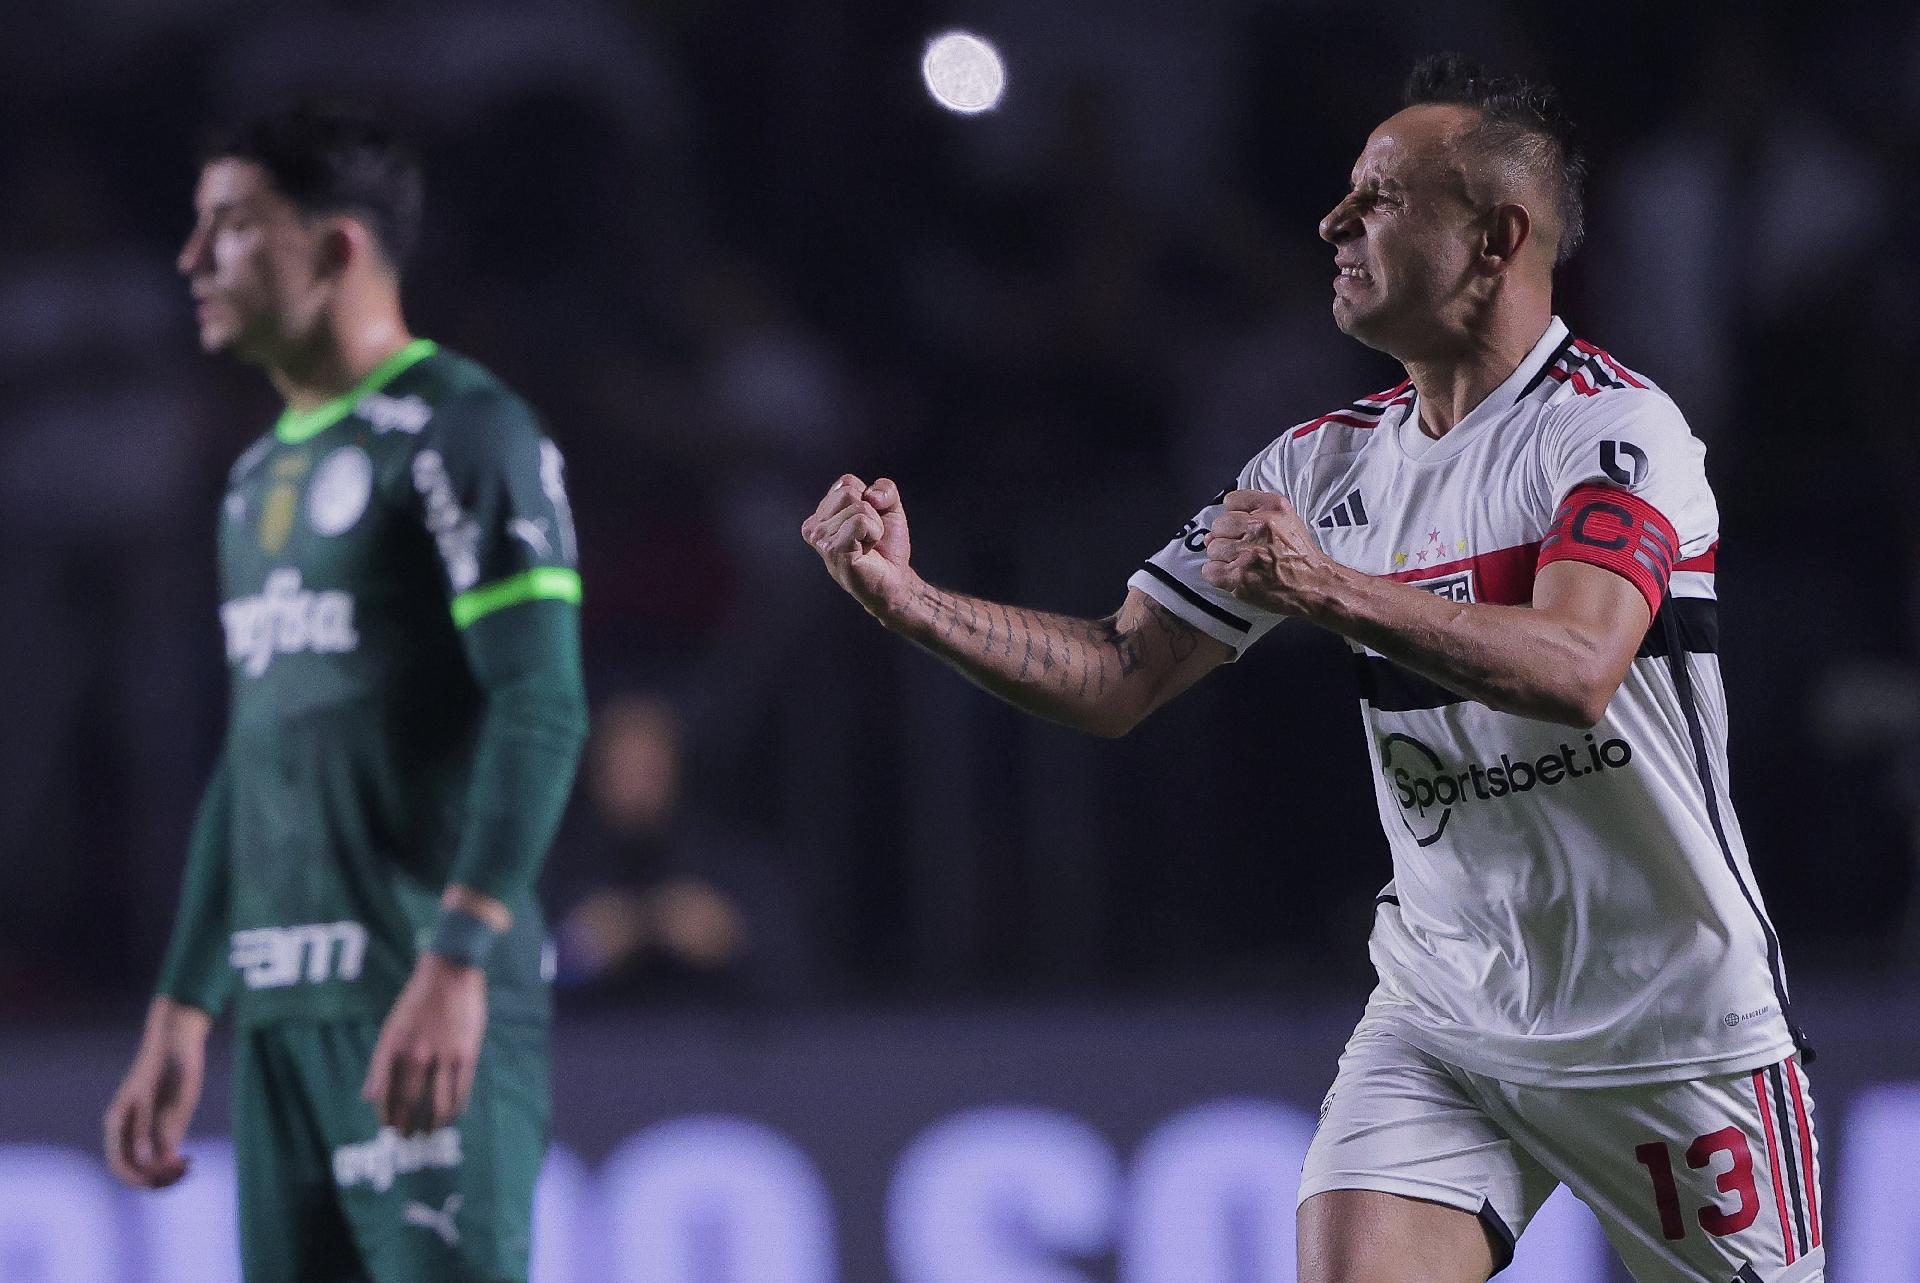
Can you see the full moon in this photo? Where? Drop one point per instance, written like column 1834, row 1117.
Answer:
column 963, row 72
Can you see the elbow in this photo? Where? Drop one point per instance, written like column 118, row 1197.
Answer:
column 555, row 711
column 1112, row 723
column 1582, row 704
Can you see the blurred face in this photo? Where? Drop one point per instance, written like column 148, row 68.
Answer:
column 254, row 264
column 636, row 764
column 1405, row 237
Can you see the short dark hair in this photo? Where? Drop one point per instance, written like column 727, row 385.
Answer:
column 333, row 159
column 1521, row 123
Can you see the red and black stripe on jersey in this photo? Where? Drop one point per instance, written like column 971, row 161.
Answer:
column 1364, row 413
column 1505, row 577
column 1590, row 368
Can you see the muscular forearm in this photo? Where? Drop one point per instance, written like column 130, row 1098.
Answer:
column 1511, row 658
column 1096, row 675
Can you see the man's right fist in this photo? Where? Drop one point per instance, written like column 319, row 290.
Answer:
column 860, row 531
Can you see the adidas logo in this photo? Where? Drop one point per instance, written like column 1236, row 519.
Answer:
column 1348, row 512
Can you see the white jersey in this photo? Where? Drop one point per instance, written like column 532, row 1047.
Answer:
column 1567, row 907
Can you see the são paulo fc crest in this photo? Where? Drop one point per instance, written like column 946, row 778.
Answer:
column 1455, row 587
column 340, row 489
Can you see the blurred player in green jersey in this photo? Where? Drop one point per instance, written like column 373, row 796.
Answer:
column 400, row 602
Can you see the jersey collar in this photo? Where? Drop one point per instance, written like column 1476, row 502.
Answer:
column 1495, row 406
column 295, row 426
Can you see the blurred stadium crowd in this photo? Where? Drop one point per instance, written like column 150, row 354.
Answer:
column 731, row 251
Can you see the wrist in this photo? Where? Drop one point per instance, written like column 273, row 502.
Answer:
column 907, row 612
column 462, row 938
column 438, row 968
column 1327, row 604
column 177, row 1023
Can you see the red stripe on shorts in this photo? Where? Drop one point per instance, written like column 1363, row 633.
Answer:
column 1773, row 1159
column 1806, row 1152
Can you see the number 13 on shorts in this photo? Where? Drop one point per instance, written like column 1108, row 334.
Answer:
column 1764, row 1172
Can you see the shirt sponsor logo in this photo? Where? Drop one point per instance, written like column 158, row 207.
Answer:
column 378, row 1161
column 1624, row 462
column 457, row 534
column 287, row 619
column 314, row 953
column 341, row 486
column 1429, row 790
column 408, row 414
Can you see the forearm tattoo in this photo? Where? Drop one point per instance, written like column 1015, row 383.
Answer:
column 1054, row 664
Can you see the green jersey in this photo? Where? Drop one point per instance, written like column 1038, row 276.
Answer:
column 399, row 589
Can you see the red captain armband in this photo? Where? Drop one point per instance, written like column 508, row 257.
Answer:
column 1616, row 531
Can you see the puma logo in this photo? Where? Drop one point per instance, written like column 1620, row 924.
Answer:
column 533, row 534
column 440, row 1222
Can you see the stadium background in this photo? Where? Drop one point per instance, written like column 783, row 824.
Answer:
column 865, row 977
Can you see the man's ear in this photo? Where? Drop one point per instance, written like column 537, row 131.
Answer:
column 342, row 242
column 1509, row 227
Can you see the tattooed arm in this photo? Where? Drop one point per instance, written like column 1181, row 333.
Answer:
column 1099, row 675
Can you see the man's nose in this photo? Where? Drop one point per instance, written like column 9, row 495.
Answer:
column 191, row 253
column 1338, row 224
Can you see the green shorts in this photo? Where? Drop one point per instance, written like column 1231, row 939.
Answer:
column 329, row 1196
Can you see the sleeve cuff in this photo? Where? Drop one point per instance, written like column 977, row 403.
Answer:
column 1195, row 608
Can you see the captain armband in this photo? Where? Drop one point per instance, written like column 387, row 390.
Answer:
column 1618, row 531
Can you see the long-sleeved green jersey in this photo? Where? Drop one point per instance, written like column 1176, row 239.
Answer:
column 401, row 613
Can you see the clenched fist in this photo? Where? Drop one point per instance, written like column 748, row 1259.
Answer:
column 860, row 531
column 1262, row 552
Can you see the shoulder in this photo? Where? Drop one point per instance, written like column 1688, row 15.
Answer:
column 1350, row 423
column 1341, row 431
column 1585, row 386
column 250, row 459
column 1627, row 434
column 1589, row 396
column 455, row 404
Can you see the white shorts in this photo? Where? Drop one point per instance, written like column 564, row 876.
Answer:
column 1706, row 1180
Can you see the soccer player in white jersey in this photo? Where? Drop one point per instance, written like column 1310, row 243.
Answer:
column 1578, row 982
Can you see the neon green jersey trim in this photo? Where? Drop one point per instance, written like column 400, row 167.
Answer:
column 296, row 426
column 542, row 583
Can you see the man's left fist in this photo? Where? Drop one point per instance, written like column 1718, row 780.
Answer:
column 1262, row 552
